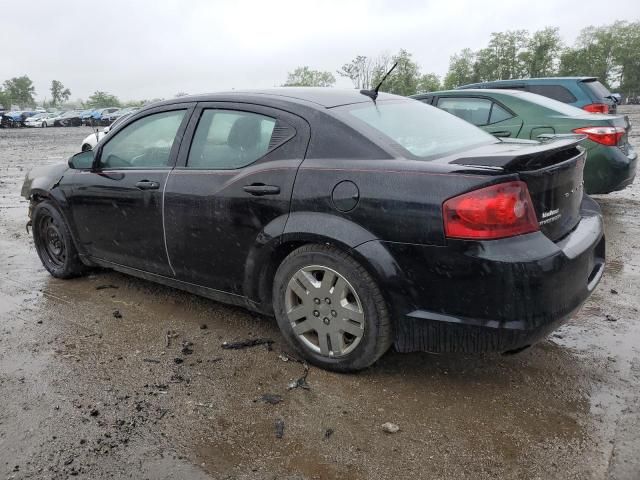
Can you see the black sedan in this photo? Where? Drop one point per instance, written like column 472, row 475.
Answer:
column 69, row 119
column 359, row 223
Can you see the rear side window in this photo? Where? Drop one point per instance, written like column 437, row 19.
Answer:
column 479, row 111
column 226, row 139
column 498, row 114
column 420, row 130
column 557, row 92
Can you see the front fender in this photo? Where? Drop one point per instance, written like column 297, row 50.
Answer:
column 41, row 180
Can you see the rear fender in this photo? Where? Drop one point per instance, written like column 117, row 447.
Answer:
column 307, row 227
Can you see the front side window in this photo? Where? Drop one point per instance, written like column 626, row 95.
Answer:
column 226, row 139
column 473, row 110
column 423, row 131
column 146, row 143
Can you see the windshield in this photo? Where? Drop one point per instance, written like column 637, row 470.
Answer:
column 421, row 130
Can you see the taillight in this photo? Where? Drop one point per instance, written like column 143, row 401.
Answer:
column 609, row 136
column 498, row 211
column 597, row 108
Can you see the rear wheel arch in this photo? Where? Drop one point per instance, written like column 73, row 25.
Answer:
column 262, row 286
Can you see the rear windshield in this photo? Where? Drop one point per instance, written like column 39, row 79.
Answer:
column 422, row 131
column 597, row 89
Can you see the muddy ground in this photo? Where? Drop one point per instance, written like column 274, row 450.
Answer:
column 89, row 395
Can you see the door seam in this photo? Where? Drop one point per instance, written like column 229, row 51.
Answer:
column 164, row 228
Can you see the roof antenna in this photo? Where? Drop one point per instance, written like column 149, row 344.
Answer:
column 373, row 94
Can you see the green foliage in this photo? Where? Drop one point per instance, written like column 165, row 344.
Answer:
column 627, row 57
column 504, row 57
column 360, row 71
column 305, row 77
column 609, row 52
column 20, row 90
column 59, row 93
column 461, row 69
column 5, row 101
column 430, row 82
column 101, row 99
column 541, row 56
column 406, row 78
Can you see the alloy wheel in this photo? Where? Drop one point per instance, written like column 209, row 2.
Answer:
column 325, row 311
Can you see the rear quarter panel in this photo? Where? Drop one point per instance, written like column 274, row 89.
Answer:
column 399, row 200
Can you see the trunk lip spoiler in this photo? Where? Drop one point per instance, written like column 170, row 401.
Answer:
column 501, row 161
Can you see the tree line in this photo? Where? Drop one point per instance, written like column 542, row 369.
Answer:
column 610, row 52
column 20, row 91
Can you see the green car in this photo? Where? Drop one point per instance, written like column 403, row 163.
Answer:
column 611, row 160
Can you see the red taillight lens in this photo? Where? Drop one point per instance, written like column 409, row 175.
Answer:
column 498, row 211
column 597, row 108
column 609, row 136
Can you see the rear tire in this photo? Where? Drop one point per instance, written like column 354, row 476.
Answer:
column 54, row 243
column 86, row 147
column 330, row 309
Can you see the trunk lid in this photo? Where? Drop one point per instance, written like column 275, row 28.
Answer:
column 552, row 172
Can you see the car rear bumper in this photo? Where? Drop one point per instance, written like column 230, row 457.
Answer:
column 609, row 169
column 495, row 295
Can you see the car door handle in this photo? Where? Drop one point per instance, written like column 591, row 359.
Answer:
column 501, row 133
column 147, row 185
column 260, row 189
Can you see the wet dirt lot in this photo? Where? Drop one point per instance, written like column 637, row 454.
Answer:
column 85, row 394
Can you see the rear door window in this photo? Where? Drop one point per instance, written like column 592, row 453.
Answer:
column 557, row 92
column 479, row 111
column 473, row 110
column 227, row 139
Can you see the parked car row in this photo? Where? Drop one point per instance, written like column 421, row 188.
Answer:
column 92, row 139
column 515, row 114
column 582, row 92
column 70, row 118
column 16, row 118
column 359, row 220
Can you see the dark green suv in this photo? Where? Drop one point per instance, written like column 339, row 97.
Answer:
column 586, row 93
column 611, row 160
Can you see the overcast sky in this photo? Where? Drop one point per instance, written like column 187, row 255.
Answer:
column 156, row 48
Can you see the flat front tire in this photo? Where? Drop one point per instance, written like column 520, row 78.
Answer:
column 54, row 243
column 330, row 309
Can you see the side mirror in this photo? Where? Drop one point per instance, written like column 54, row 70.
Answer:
column 82, row 160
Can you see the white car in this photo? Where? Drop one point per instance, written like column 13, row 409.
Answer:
column 92, row 140
column 50, row 121
column 39, row 120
